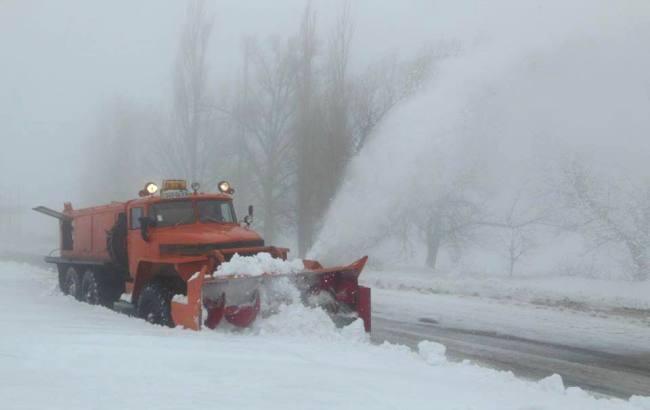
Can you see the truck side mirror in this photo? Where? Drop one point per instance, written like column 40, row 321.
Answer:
column 145, row 223
column 248, row 219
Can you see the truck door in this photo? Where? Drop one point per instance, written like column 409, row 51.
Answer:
column 138, row 247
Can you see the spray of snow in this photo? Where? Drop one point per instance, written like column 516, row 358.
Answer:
column 532, row 81
column 258, row 264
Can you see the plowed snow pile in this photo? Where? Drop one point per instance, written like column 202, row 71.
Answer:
column 56, row 353
column 258, row 264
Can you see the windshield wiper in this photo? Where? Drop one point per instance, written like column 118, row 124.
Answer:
column 184, row 221
column 211, row 219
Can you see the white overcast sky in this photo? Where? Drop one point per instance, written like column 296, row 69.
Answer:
column 61, row 60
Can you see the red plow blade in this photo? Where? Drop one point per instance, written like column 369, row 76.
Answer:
column 239, row 299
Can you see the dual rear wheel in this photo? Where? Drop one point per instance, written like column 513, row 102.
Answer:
column 88, row 286
column 91, row 286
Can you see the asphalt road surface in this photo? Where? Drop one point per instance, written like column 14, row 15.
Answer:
column 597, row 371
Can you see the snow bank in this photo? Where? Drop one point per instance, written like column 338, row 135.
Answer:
column 432, row 353
column 57, row 353
column 257, row 265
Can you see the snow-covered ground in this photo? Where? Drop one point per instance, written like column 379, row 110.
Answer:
column 595, row 314
column 584, row 329
column 567, row 291
column 57, row 353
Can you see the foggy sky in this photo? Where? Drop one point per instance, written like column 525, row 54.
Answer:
column 532, row 85
column 61, row 61
column 531, row 80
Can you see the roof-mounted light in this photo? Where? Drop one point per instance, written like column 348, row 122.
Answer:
column 174, row 185
column 224, row 186
column 149, row 189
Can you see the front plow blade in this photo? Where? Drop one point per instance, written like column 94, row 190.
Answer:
column 239, row 299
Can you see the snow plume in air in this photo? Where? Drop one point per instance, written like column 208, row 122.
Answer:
column 531, row 84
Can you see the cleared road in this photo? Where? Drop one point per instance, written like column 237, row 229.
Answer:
column 593, row 370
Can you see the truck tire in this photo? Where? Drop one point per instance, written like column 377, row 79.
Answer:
column 70, row 282
column 154, row 304
column 96, row 290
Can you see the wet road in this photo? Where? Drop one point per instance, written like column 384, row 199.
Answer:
column 598, row 371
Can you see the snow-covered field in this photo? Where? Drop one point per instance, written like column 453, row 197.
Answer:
column 583, row 329
column 568, row 291
column 56, row 353
column 608, row 316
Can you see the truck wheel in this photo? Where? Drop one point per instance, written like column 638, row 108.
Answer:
column 70, row 283
column 94, row 290
column 154, row 304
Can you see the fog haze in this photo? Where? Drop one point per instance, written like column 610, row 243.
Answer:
column 515, row 93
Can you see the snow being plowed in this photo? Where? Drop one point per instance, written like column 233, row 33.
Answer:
column 57, row 353
column 258, row 264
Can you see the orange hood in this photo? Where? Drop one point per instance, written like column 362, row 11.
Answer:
column 208, row 233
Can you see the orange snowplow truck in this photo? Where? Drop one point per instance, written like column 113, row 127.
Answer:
column 164, row 248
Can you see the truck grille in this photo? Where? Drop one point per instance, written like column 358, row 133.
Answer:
column 205, row 248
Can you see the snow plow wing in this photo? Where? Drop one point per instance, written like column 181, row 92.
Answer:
column 239, row 299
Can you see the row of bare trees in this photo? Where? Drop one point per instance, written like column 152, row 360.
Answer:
column 609, row 214
column 284, row 130
column 302, row 114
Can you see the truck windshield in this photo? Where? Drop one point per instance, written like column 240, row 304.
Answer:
column 173, row 213
column 216, row 211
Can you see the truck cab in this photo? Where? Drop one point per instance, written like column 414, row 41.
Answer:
column 185, row 226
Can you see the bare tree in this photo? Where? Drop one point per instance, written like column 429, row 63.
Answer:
column 115, row 151
column 336, row 151
column 267, row 119
column 187, row 149
column 519, row 225
column 450, row 221
column 383, row 86
column 241, row 168
column 322, row 126
column 307, row 133
column 607, row 213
